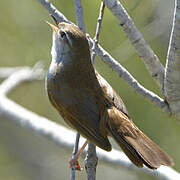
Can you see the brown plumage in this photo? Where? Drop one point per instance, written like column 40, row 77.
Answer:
column 90, row 105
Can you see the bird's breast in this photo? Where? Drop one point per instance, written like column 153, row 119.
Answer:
column 58, row 88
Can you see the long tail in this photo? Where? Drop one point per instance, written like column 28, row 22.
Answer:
column 135, row 144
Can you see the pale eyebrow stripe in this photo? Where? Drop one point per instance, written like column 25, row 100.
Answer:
column 69, row 39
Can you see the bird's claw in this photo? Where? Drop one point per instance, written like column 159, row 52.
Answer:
column 75, row 163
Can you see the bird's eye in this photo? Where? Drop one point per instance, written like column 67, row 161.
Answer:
column 62, row 34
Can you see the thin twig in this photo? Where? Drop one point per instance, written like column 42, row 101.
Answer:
column 79, row 15
column 98, row 28
column 23, row 74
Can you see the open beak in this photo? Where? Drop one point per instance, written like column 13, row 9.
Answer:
column 54, row 28
column 55, row 20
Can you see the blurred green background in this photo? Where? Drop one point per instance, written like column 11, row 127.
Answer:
column 25, row 39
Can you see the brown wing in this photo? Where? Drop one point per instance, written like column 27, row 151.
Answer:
column 81, row 113
column 137, row 146
column 111, row 95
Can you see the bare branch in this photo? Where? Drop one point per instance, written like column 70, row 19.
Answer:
column 123, row 73
column 24, row 74
column 91, row 162
column 172, row 70
column 53, row 11
column 79, row 15
column 5, row 72
column 156, row 100
column 119, row 159
column 152, row 30
column 144, row 51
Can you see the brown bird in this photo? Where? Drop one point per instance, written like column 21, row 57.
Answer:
column 89, row 104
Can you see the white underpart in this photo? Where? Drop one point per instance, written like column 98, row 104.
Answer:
column 59, row 52
column 69, row 40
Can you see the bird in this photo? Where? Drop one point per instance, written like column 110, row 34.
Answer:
column 89, row 104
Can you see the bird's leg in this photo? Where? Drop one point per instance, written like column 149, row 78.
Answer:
column 74, row 160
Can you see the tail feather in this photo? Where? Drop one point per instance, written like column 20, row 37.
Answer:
column 136, row 145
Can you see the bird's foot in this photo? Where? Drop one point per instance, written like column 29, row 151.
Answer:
column 75, row 163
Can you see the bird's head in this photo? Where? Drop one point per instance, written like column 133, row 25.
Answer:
column 68, row 39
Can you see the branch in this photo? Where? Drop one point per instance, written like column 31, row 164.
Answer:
column 91, row 162
column 5, row 72
column 123, row 73
column 21, row 75
column 119, row 159
column 144, row 51
column 64, row 137
column 79, row 15
column 156, row 100
column 53, row 11
column 172, row 70
column 152, row 30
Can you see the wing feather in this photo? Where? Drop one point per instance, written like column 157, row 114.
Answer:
column 82, row 114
